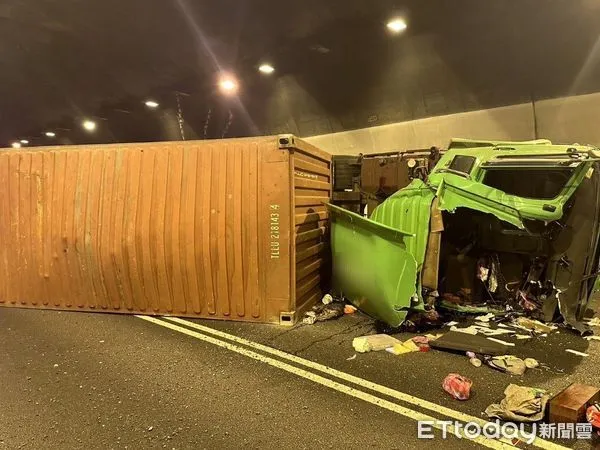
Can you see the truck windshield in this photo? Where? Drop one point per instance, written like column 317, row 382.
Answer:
column 542, row 184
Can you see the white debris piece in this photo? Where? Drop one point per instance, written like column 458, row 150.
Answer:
column 575, row 352
column 485, row 318
column 523, row 336
column 594, row 322
column 499, row 341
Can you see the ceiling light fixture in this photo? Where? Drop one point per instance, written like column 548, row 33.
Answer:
column 16, row 145
column 50, row 134
column 89, row 125
column 24, row 141
column 267, row 69
column 228, row 85
column 151, row 104
column 396, row 25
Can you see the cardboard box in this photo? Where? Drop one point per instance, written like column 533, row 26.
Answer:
column 569, row 405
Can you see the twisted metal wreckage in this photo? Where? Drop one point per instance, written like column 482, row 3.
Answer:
column 512, row 225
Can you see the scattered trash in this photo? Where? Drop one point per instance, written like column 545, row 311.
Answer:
column 416, row 322
column 410, row 344
column 592, row 338
column 592, row 415
column 451, row 324
column 351, row 358
column 507, row 363
column 535, row 325
column 463, row 342
column 467, row 309
column 421, row 340
column 407, row 346
column 531, row 363
column 500, row 341
column 322, row 312
column 570, row 405
column 475, row 362
column 309, row 319
column 467, row 330
column 485, row 330
column 520, row 404
column 575, row 352
column 374, row 342
column 523, row 336
column 457, row 386
column 55, row 366
column 349, row 309
column 327, row 299
column 398, row 349
column 594, row 322
column 150, row 428
column 485, row 318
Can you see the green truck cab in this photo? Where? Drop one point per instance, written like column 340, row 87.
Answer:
column 496, row 223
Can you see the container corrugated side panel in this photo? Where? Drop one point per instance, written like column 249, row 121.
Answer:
column 312, row 188
column 167, row 228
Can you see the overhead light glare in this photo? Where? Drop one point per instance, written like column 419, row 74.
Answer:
column 16, row 145
column 89, row 125
column 267, row 69
column 397, row 25
column 50, row 134
column 24, row 141
column 151, row 104
column 228, row 85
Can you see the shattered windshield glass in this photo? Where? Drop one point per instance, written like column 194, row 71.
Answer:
column 543, row 184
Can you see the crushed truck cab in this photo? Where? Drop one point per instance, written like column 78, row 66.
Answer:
column 495, row 223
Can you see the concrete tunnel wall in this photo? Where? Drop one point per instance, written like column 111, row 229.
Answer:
column 563, row 120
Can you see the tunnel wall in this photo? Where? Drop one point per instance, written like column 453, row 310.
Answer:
column 563, row 120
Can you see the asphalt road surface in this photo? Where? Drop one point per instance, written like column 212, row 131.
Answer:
column 79, row 380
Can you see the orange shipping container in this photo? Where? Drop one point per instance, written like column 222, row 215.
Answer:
column 228, row 229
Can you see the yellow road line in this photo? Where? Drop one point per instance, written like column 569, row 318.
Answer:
column 448, row 412
column 406, row 412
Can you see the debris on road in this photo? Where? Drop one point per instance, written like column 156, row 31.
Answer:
column 592, row 415
column 485, row 318
column 592, row 338
column 531, row 363
column 534, row 325
column 349, row 309
column 374, row 342
column 507, row 363
column 520, row 404
column 575, row 352
column 570, row 405
column 327, row 299
column 475, row 362
column 351, row 358
column 462, row 342
column 500, row 341
column 322, row 312
column 457, row 386
column 594, row 322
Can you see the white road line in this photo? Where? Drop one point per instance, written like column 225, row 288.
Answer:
column 409, row 413
column 448, row 412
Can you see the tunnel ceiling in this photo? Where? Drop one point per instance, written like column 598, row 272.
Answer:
column 337, row 67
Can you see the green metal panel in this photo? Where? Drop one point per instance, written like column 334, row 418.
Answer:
column 372, row 266
column 409, row 210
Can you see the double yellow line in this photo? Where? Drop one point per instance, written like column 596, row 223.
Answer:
column 242, row 346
